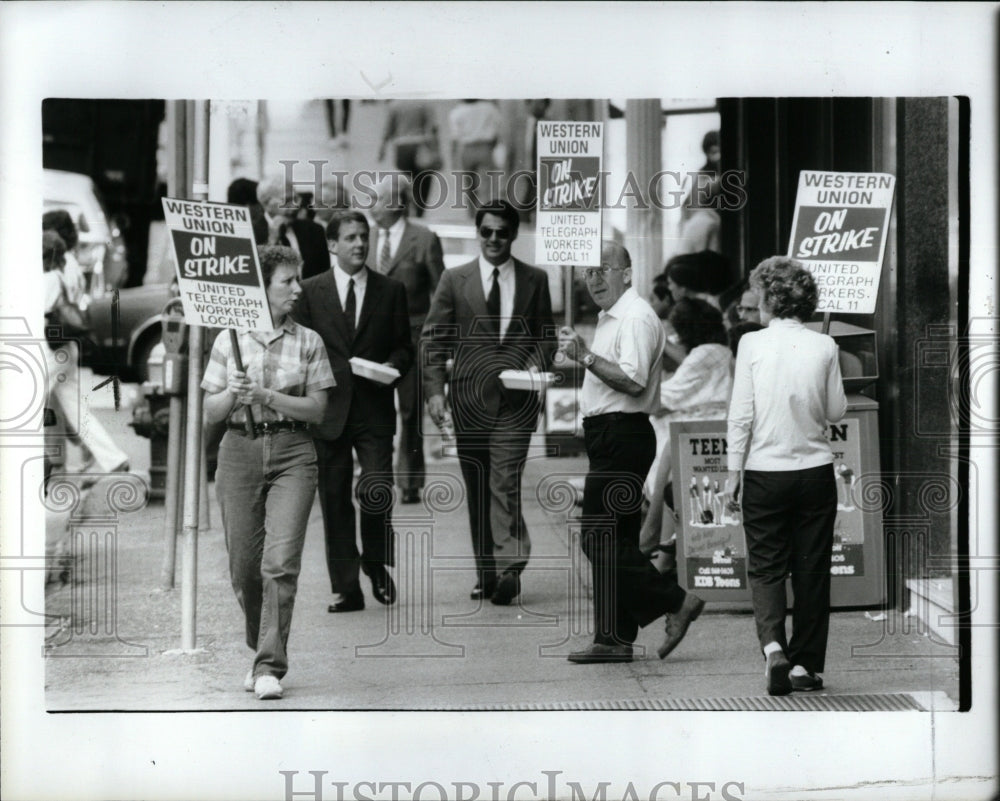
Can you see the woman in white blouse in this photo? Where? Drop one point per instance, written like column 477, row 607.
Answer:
column 698, row 390
column 786, row 390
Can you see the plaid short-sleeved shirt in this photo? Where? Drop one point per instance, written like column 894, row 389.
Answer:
column 290, row 359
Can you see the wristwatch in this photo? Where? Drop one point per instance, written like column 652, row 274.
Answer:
column 588, row 360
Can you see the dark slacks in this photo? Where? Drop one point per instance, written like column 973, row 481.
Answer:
column 406, row 161
column 628, row 591
column 492, row 465
column 375, row 500
column 788, row 517
column 410, row 466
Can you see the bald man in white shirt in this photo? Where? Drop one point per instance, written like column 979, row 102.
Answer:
column 620, row 390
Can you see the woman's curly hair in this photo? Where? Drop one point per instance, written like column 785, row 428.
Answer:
column 697, row 322
column 274, row 256
column 787, row 288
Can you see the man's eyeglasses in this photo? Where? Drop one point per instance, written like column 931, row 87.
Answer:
column 747, row 309
column 487, row 233
column 594, row 272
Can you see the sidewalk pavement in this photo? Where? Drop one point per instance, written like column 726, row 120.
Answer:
column 449, row 653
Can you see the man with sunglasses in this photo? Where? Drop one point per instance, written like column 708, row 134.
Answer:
column 620, row 390
column 490, row 315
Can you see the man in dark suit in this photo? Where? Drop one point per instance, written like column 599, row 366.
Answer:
column 490, row 315
column 289, row 225
column 357, row 312
column 409, row 253
column 243, row 192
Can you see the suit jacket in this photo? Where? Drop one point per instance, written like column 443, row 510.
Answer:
column 454, row 328
column 418, row 263
column 312, row 246
column 382, row 335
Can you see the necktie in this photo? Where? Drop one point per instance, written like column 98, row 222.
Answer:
column 350, row 307
column 493, row 302
column 384, row 255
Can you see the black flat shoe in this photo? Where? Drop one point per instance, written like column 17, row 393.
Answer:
column 806, row 683
column 353, row 601
column 480, row 591
column 778, row 666
column 383, row 587
column 599, row 652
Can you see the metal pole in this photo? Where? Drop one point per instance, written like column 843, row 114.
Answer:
column 204, row 518
column 176, row 187
column 192, row 455
column 175, row 446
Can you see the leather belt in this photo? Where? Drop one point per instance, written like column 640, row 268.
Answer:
column 597, row 419
column 269, row 427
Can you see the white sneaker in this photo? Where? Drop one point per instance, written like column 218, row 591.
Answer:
column 267, row 687
column 248, row 681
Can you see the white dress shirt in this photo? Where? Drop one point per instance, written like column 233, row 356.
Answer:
column 360, row 282
column 395, row 233
column 630, row 335
column 786, row 389
column 506, row 280
column 704, row 376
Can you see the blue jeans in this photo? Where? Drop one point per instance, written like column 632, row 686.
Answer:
column 266, row 488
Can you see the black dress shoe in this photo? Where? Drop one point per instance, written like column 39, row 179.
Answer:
column 677, row 624
column 353, row 601
column 600, row 652
column 411, row 496
column 483, row 590
column 383, row 587
column 508, row 588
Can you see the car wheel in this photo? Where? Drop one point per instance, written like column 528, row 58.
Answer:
column 143, row 349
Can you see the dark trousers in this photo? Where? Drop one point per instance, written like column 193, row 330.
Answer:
column 331, row 115
column 492, row 465
column 374, row 495
column 788, row 517
column 406, row 161
column 410, row 466
column 628, row 591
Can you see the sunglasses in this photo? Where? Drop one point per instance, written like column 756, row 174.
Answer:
column 487, row 233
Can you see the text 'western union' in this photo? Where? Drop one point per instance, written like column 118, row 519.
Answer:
column 203, row 212
column 579, row 130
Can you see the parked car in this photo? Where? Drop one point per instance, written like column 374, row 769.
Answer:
column 139, row 310
column 458, row 242
column 101, row 250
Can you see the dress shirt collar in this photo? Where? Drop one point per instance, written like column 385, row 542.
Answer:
column 784, row 322
column 396, row 229
column 342, row 276
column 618, row 310
column 486, row 269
